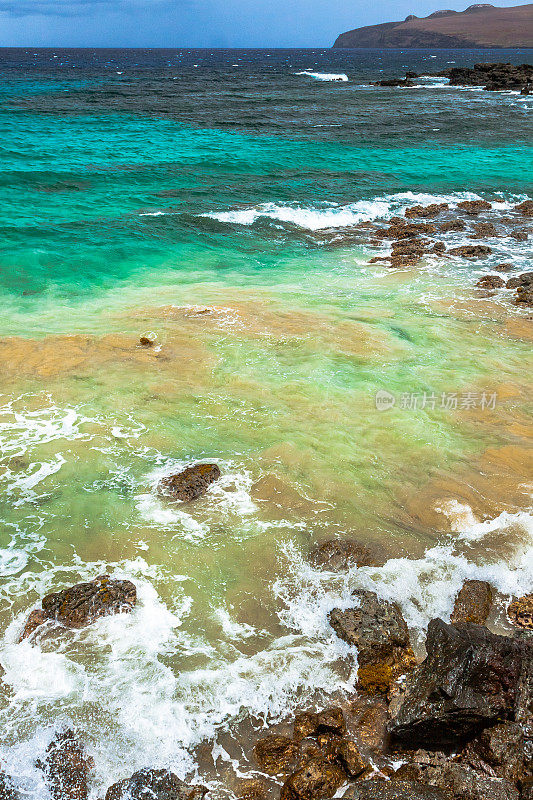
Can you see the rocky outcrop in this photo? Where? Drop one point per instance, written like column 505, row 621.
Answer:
column 471, row 679
column 493, row 77
column 520, row 611
column 471, row 251
column 276, row 754
column 66, row 767
column 317, row 778
column 474, row 207
column 154, row 784
column 524, row 279
column 480, row 26
column 379, row 632
column 490, row 282
column 474, row 601
column 84, row 603
column 379, row 789
column 428, row 212
column 341, row 554
column 190, row 484
column 525, row 208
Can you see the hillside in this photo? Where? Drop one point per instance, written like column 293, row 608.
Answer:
column 480, row 25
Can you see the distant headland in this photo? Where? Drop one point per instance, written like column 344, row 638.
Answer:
column 481, row 26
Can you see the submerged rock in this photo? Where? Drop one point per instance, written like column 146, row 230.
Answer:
column 84, row 603
column 66, row 767
column 505, row 267
column 276, row 754
column 154, row 784
column 470, row 680
column 490, row 282
column 473, row 603
column 251, row 789
column 456, row 779
column 379, row 632
column 340, row 554
column 520, row 611
column 189, row 484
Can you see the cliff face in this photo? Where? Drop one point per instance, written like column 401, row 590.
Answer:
column 480, row 25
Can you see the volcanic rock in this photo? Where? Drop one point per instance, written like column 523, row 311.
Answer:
column 525, row 279
column 471, row 679
column 190, row 484
column 452, row 225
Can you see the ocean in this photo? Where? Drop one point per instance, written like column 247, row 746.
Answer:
column 224, row 203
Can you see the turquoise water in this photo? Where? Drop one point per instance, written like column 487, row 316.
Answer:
column 223, row 209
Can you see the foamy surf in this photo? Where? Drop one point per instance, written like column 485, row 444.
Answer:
column 324, row 216
column 325, row 76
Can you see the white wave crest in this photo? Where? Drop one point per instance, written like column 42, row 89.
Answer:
column 325, row 76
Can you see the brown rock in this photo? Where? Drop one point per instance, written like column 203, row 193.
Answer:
column 505, row 750
column 84, row 603
column 524, row 279
column 520, row 611
column 521, row 235
column 319, row 778
column 331, row 720
column 471, row 679
column 439, row 248
column 474, row 206
column 380, row 634
column 471, row 251
column 305, row 724
column 526, row 792
column 34, row 621
column 490, row 282
column 351, row 760
column 473, row 603
column 371, row 723
column 506, row 267
column 66, row 767
column 433, row 210
column 525, row 208
column 453, row 225
column 190, row 484
column 146, row 341
column 154, row 784
column 276, row 754
column 524, row 296
column 379, row 789
column 482, row 229
column 341, row 554
column 251, row 789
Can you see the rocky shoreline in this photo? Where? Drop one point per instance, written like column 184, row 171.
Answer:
column 493, row 77
column 457, row 725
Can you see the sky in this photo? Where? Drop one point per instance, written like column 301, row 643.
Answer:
column 199, row 23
